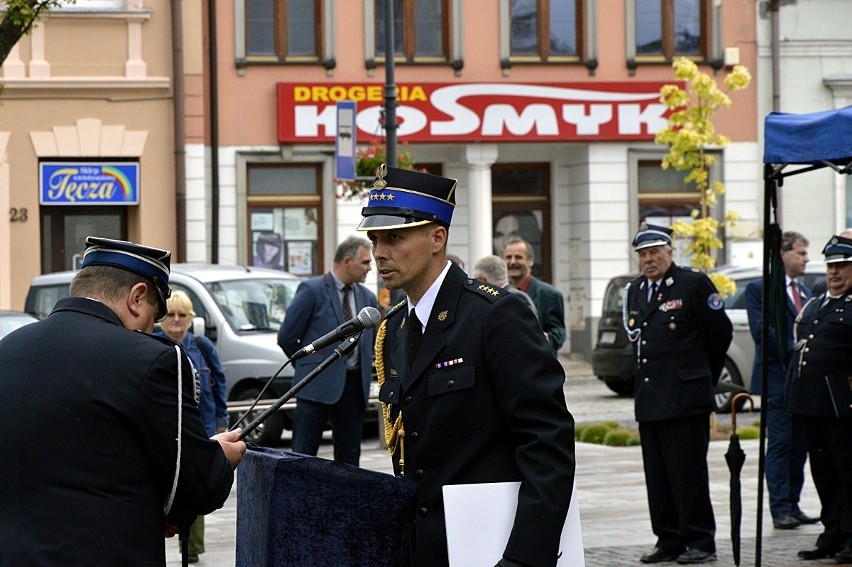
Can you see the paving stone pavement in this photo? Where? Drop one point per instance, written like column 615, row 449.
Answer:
column 611, row 491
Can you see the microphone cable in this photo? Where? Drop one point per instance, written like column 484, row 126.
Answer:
column 260, row 395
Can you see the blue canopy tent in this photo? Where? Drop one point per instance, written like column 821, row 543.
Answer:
column 793, row 144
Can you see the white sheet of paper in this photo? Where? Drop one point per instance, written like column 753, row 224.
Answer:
column 479, row 519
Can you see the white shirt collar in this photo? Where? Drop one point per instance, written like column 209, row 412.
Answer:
column 427, row 302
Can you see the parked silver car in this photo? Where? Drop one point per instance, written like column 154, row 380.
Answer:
column 612, row 358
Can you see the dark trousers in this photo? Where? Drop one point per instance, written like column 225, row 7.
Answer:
column 830, row 450
column 347, row 421
column 786, row 453
column 674, row 452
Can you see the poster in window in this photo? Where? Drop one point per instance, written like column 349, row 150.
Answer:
column 300, row 257
column 268, row 250
column 527, row 225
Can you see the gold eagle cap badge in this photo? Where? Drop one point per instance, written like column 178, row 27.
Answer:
column 381, row 173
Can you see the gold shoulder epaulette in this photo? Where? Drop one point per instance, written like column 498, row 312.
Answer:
column 492, row 292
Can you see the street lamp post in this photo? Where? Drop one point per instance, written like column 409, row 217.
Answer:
column 390, row 87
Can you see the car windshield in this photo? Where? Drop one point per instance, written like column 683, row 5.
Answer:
column 614, row 297
column 252, row 305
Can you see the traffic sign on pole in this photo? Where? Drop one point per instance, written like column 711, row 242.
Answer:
column 346, row 141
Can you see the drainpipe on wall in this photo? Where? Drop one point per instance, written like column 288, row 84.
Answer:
column 775, row 55
column 214, row 133
column 180, row 130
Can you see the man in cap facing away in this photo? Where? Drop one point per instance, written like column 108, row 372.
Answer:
column 105, row 452
column 680, row 333
column 468, row 382
column 819, row 382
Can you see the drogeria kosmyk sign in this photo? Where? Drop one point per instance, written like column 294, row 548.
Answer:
column 84, row 183
column 478, row 112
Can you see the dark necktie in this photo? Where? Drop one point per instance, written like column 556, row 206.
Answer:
column 415, row 333
column 347, row 314
column 347, row 309
column 652, row 291
column 797, row 298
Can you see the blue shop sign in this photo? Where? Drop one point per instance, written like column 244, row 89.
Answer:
column 68, row 183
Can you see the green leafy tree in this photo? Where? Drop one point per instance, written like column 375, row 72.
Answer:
column 17, row 18
column 690, row 136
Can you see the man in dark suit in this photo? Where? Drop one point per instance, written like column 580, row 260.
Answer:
column 786, row 452
column 341, row 392
column 820, row 393
column 104, row 449
column 680, row 332
column 548, row 300
column 468, row 381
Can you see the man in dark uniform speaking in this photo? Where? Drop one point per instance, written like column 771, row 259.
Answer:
column 680, row 334
column 819, row 382
column 468, row 379
column 103, row 447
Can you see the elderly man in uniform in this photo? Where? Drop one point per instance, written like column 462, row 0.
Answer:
column 104, row 449
column 467, row 378
column 680, row 333
column 820, row 392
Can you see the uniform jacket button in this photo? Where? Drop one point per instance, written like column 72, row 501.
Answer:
column 418, row 473
column 647, row 379
column 422, row 511
column 407, row 400
column 413, row 435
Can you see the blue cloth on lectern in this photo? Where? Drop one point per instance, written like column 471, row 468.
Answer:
column 295, row 510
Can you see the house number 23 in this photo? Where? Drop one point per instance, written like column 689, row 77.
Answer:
column 17, row 215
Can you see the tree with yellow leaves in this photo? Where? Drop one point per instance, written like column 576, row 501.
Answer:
column 690, row 136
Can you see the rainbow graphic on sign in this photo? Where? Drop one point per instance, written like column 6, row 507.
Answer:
column 127, row 186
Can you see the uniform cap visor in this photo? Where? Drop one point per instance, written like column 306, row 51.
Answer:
column 650, row 243
column 387, row 222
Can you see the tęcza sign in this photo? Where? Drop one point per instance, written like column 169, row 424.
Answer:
column 478, row 112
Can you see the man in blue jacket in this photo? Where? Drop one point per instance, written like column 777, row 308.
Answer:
column 341, row 392
column 786, row 451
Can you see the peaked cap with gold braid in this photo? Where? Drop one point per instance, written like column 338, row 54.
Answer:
column 401, row 198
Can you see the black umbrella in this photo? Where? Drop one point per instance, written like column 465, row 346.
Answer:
column 735, row 458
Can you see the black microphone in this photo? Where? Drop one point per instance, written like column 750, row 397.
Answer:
column 367, row 318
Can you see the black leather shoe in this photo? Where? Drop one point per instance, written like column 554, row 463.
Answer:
column 803, row 518
column 693, row 556
column 817, row 552
column 659, row 555
column 785, row 521
column 192, row 558
column 844, row 555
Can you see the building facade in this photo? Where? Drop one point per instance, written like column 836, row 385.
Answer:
column 813, row 50
column 544, row 110
column 86, row 137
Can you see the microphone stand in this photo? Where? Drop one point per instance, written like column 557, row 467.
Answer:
column 340, row 351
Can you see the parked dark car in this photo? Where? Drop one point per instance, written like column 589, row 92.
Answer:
column 612, row 358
